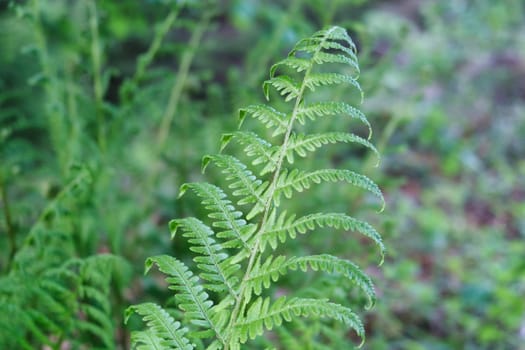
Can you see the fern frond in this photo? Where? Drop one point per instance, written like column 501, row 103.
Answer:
column 295, row 63
column 263, row 274
column 264, row 315
column 190, row 297
column 302, row 144
column 285, row 85
column 217, row 269
column 243, row 182
column 299, row 180
column 325, row 57
column 278, row 228
column 335, row 33
column 236, row 231
column 163, row 330
column 328, row 40
column 245, row 313
column 331, row 108
column 324, row 79
column 334, row 45
column 146, row 340
column 268, row 115
column 261, row 150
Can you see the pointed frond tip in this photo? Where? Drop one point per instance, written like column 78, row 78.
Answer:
column 336, row 33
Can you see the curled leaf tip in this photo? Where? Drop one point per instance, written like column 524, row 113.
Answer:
column 182, row 190
column 382, row 206
column 382, row 258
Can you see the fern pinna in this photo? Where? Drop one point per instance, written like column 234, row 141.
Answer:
column 225, row 305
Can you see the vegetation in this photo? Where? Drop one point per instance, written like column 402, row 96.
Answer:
column 106, row 109
column 240, row 311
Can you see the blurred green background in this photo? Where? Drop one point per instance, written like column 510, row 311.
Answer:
column 106, row 108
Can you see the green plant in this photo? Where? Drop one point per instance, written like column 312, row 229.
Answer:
column 235, row 299
column 52, row 296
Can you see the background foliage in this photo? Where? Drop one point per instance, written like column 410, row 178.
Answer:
column 106, row 108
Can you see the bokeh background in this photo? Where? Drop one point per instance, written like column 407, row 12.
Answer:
column 106, row 108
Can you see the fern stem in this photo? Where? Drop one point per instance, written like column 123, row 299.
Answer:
column 182, row 75
column 8, row 222
column 72, row 110
column 241, row 304
column 98, row 89
column 145, row 59
column 52, row 90
column 83, row 176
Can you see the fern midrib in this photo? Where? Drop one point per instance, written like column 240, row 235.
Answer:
column 273, row 186
column 231, row 219
column 169, row 328
column 196, row 301
column 216, row 264
column 247, row 184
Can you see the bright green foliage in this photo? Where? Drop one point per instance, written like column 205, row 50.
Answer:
column 164, row 331
column 52, row 297
column 232, row 300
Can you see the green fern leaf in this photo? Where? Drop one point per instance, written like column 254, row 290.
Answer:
column 261, row 150
column 285, row 85
column 243, row 182
column 325, row 57
column 236, row 231
column 269, row 116
column 146, row 340
column 190, row 297
column 332, row 264
column 321, row 109
column 264, row 315
column 163, row 329
column 217, row 269
column 262, row 275
column 297, row 64
column 300, row 180
column 335, row 33
column 328, row 41
column 302, row 144
column 323, row 79
column 279, row 228
column 334, row 45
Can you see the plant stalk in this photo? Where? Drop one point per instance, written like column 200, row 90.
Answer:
column 11, row 234
column 178, row 86
column 98, row 88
